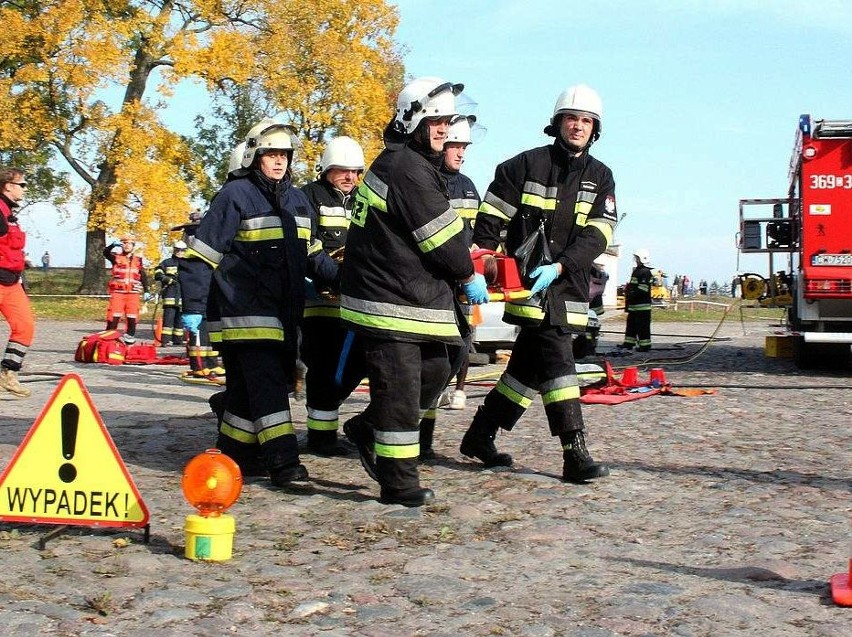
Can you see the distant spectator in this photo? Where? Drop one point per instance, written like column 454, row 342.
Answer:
column 45, row 261
column 702, row 287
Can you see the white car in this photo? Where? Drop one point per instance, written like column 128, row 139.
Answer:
column 493, row 333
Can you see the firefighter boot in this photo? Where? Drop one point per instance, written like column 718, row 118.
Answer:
column 478, row 442
column 327, row 444
column 284, row 476
column 361, row 435
column 427, row 431
column 9, row 381
column 578, row 465
column 401, row 483
column 414, row 497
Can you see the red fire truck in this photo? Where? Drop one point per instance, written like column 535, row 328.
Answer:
column 811, row 228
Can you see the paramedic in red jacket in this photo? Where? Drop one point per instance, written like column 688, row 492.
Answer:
column 127, row 282
column 14, row 304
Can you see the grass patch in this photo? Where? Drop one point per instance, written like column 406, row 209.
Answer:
column 58, row 282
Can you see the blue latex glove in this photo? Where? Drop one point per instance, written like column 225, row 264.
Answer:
column 191, row 322
column 146, row 296
column 476, row 290
column 544, row 275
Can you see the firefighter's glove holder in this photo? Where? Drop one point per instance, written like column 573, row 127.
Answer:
column 544, row 275
column 476, row 290
column 191, row 322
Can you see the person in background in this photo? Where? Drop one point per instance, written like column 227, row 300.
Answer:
column 564, row 199
column 464, row 199
column 45, row 261
column 586, row 344
column 127, row 281
column 14, row 303
column 406, row 254
column 637, row 332
column 333, row 367
column 170, row 296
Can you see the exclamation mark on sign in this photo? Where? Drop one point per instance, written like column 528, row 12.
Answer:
column 69, row 418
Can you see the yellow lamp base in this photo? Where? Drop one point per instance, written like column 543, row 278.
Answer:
column 209, row 539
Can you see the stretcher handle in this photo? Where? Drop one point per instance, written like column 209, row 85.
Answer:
column 512, row 295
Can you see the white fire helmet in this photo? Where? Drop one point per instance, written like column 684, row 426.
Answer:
column 460, row 129
column 179, row 245
column 642, row 256
column 579, row 99
column 236, row 160
column 425, row 97
column 269, row 134
column 341, row 152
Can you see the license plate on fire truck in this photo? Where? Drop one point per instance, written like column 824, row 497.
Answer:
column 831, row 259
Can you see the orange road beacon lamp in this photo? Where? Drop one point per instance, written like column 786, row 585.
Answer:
column 211, row 483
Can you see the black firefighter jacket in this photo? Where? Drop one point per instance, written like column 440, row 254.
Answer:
column 575, row 196
column 258, row 235
column 405, row 252
column 333, row 213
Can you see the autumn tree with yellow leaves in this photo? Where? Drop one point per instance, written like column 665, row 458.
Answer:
column 329, row 67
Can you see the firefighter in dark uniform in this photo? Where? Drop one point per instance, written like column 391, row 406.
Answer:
column 195, row 278
column 568, row 195
column 637, row 304
column 195, row 287
column 464, row 198
column 167, row 275
column 586, row 344
column 330, row 378
column 405, row 254
column 256, row 235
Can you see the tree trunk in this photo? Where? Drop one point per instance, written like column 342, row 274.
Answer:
column 94, row 272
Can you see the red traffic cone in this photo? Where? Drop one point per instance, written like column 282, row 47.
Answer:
column 841, row 587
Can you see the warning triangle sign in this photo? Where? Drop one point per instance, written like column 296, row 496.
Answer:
column 67, row 469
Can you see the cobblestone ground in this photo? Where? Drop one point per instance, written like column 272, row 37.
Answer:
column 725, row 514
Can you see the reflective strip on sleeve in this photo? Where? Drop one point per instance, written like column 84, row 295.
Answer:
column 496, row 207
column 303, row 228
column 605, row 226
column 438, row 231
column 197, row 248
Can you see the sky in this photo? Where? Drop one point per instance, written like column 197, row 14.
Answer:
column 701, row 102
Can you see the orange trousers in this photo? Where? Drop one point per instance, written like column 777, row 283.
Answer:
column 15, row 308
column 123, row 303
